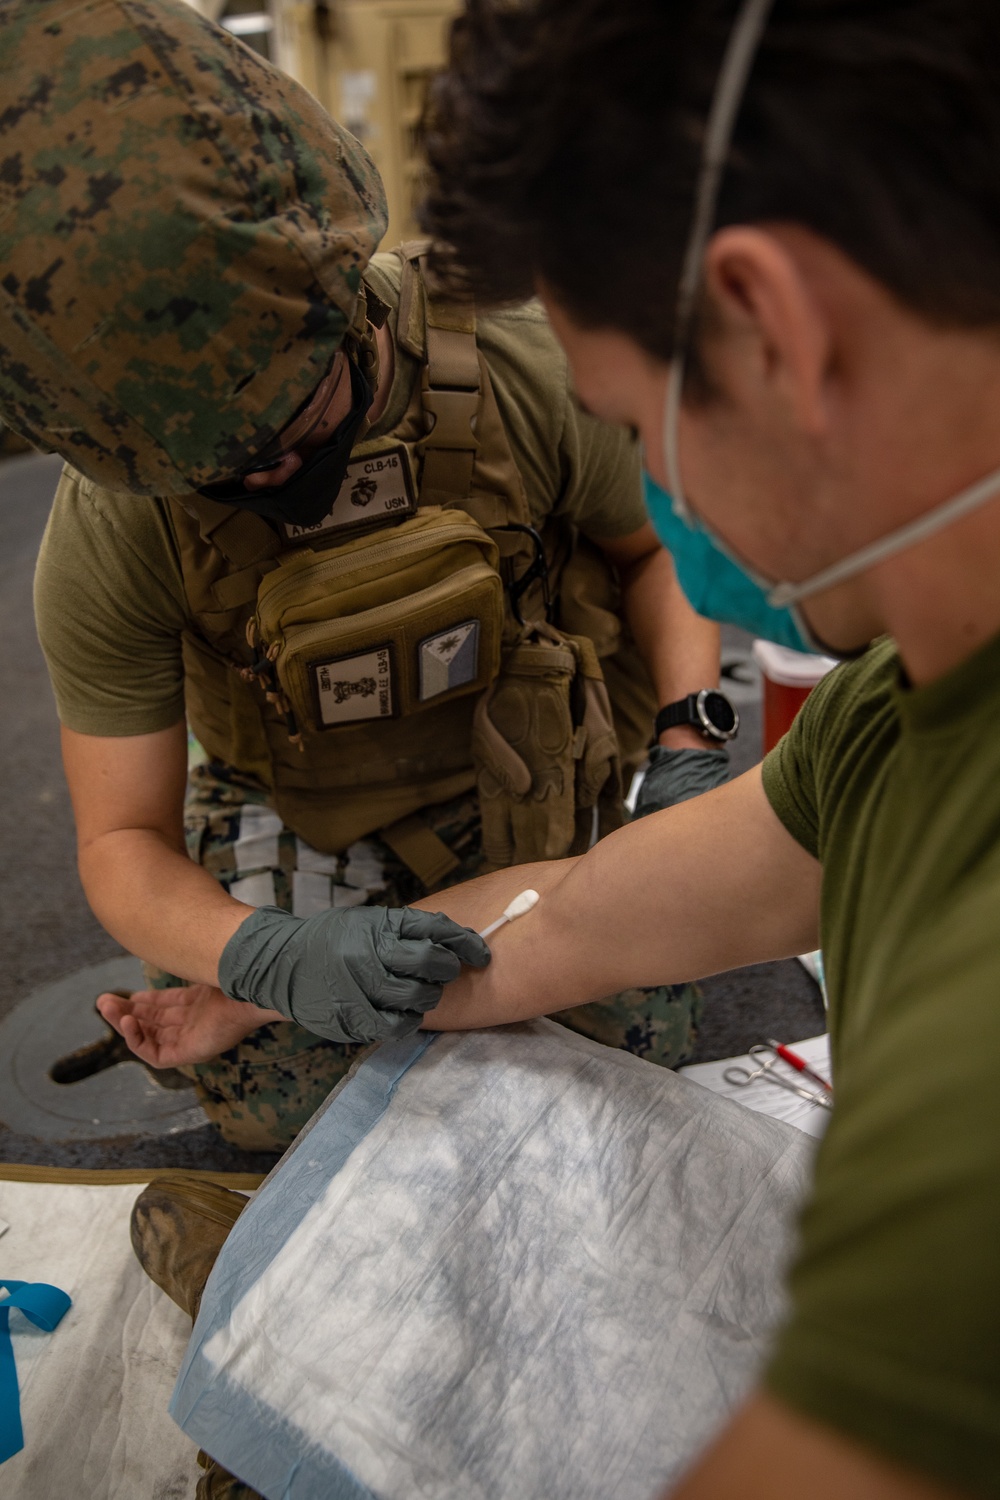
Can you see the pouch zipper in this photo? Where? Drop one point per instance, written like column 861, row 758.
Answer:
column 334, row 567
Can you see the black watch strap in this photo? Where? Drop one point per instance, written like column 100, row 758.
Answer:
column 684, row 711
column 689, row 711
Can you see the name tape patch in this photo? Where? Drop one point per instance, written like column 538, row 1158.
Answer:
column 449, row 659
column 376, row 489
column 355, row 687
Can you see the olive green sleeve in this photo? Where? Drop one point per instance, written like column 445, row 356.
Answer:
column 804, row 773
column 894, row 1334
column 110, row 609
column 789, row 780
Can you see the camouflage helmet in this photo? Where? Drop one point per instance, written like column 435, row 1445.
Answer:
column 183, row 232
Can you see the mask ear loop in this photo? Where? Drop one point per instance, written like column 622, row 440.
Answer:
column 737, row 63
column 672, row 443
column 783, row 595
column 741, row 49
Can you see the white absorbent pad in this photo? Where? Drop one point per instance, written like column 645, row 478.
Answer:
column 94, row 1392
column 501, row 1265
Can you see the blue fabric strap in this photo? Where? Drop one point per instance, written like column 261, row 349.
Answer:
column 44, row 1306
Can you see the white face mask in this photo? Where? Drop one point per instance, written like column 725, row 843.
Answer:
column 733, row 75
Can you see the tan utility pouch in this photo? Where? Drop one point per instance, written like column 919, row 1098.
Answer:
column 545, row 751
column 386, row 625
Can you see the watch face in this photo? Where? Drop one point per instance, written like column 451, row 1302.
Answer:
column 720, row 713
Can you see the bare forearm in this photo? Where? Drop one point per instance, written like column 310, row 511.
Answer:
column 158, row 903
column 709, row 885
column 128, row 799
column 680, row 649
column 814, row 1460
column 477, row 903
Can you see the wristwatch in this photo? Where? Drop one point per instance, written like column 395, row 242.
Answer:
column 710, row 712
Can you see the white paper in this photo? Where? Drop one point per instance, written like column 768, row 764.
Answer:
column 767, row 1098
column 535, row 1225
column 94, row 1393
column 4, row 1226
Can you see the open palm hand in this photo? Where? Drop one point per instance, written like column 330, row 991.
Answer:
column 171, row 1028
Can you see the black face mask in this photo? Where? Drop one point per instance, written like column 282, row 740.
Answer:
column 309, row 495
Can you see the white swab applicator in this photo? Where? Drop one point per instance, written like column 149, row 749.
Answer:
column 517, row 908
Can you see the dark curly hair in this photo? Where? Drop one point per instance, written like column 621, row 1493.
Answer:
column 564, row 141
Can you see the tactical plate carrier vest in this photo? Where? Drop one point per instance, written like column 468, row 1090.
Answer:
column 398, row 652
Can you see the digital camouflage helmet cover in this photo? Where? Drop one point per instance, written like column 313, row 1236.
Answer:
column 183, row 232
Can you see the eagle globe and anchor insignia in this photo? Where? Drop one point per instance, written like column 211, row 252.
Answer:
column 354, row 688
column 377, row 489
column 363, row 492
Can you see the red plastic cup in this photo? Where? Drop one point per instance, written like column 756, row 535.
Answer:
column 789, row 678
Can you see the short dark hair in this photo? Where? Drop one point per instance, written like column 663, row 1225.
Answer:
column 564, row 140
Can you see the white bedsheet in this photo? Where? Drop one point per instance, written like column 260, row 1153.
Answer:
column 94, row 1393
column 505, row 1265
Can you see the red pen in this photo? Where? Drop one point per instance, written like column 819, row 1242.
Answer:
column 798, row 1063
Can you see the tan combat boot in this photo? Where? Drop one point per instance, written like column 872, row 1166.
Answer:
column 218, row 1484
column 179, row 1225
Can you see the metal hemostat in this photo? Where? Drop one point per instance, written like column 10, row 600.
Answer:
column 742, row 1077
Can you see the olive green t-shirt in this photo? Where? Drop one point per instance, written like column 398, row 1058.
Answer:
column 894, row 1335
column 109, row 596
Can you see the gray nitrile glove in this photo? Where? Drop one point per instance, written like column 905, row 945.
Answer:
column 356, row 975
column 677, row 775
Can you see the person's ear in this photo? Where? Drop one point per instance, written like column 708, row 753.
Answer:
column 767, row 324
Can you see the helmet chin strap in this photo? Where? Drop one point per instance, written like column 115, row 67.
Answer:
column 361, row 339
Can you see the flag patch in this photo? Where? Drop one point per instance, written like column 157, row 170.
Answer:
column 449, row 659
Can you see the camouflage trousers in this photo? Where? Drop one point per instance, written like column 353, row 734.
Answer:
column 260, row 1093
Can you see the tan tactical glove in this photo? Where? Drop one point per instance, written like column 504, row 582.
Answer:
column 598, row 767
column 545, row 750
